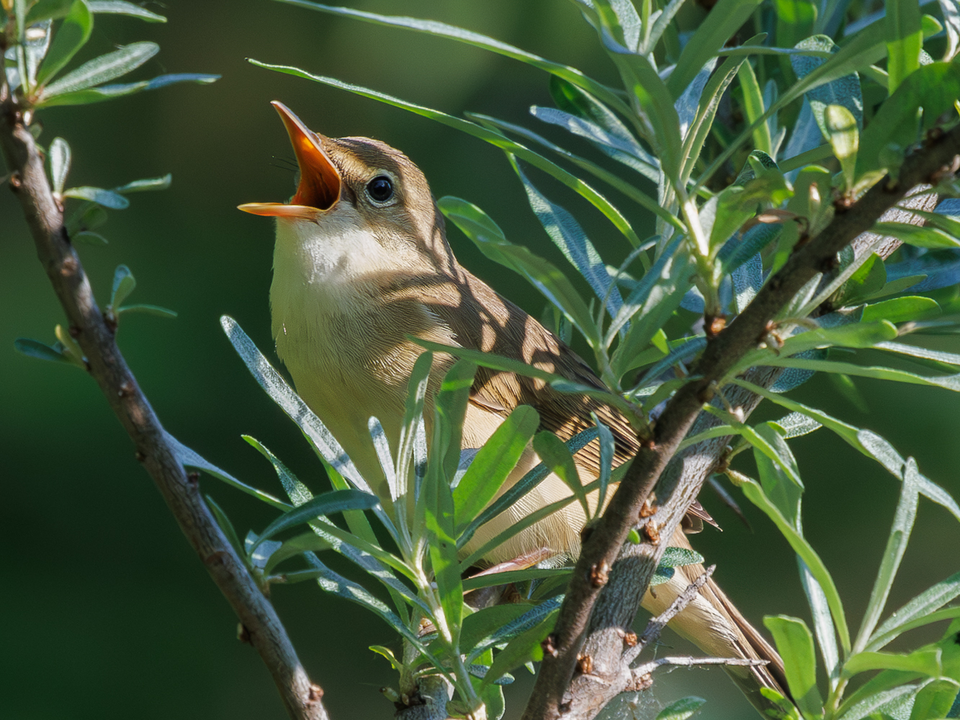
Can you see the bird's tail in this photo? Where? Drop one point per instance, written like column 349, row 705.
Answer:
column 715, row 625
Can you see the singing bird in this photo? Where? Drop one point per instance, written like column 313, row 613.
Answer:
column 362, row 265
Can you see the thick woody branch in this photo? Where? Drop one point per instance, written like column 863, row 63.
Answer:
column 935, row 160
column 107, row 366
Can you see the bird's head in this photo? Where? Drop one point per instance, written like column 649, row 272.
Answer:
column 356, row 184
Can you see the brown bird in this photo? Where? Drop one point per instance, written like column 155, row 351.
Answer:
column 362, row 264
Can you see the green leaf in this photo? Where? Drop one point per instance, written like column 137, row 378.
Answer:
column 754, row 493
column 90, row 239
column 678, row 557
column 572, row 241
column 844, row 138
column 681, row 709
column 296, row 546
column 191, row 459
column 59, row 163
column 544, row 276
column 466, row 37
column 48, row 10
column 110, row 92
column 925, row 662
column 327, row 503
column 102, row 69
column 753, row 108
column 121, row 7
column 227, row 527
column 521, row 649
column 851, row 335
column 795, row 644
column 72, row 35
column 515, row 626
column 902, row 309
column 581, row 114
column 652, row 101
column 904, row 40
column 514, row 576
column 710, row 99
column 949, row 382
column 917, row 612
column 822, row 623
column 867, row 280
column 450, row 409
column 897, row 123
column 89, row 216
column 149, row 310
column 145, row 185
column 795, row 20
column 413, row 443
column 650, row 304
column 843, row 91
column 866, row 442
column 331, row 582
column 493, row 464
column 106, row 198
column 559, row 460
column 363, row 552
column 607, row 453
column 778, row 470
column 513, row 495
column 904, row 518
column 727, row 16
column 937, row 699
column 41, row 351
column 288, row 401
column 918, row 236
column 123, row 285
column 865, row 48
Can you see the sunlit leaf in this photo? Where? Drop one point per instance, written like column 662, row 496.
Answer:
column 59, row 155
column 106, row 198
column 795, row 645
column 109, row 92
column 121, row 7
column 102, row 69
column 123, row 284
column 72, row 35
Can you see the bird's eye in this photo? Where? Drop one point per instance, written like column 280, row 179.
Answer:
column 380, row 189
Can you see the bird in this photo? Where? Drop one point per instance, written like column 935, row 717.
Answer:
column 362, row 267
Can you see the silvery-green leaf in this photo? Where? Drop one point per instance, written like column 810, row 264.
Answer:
column 121, row 7
column 106, row 198
column 102, row 69
column 59, row 153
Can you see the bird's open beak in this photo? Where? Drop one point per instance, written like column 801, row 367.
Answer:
column 319, row 188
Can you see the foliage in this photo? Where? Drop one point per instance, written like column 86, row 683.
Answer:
column 824, row 104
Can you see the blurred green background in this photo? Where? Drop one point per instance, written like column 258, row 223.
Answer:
column 107, row 612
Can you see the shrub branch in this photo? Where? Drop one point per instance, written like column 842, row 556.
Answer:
column 936, row 160
column 258, row 619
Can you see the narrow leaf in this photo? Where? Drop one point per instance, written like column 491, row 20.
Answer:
column 123, row 284
column 72, row 35
column 327, row 503
column 103, row 69
column 106, row 198
column 59, row 163
column 795, row 645
column 121, row 7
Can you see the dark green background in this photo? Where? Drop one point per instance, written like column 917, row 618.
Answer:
column 106, row 611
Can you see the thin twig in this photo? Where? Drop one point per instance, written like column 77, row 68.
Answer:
column 688, row 661
column 657, row 624
column 259, row 621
